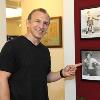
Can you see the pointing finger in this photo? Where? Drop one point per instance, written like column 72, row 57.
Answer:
column 77, row 65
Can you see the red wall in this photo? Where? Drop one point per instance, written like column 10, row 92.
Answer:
column 89, row 90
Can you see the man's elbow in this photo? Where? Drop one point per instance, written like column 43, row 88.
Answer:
column 4, row 75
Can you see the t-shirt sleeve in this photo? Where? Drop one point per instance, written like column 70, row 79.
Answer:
column 7, row 58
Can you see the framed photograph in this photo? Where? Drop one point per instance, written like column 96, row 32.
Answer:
column 53, row 38
column 90, row 64
column 90, row 23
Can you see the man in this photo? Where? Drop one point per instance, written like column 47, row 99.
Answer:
column 90, row 22
column 25, row 63
column 90, row 64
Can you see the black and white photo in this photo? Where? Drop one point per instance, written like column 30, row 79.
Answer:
column 90, row 23
column 90, row 64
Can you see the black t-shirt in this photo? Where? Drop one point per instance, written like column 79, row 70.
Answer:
column 29, row 65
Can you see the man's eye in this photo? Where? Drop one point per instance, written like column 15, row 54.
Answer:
column 46, row 23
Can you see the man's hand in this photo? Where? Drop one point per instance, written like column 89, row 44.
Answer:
column 70, row 70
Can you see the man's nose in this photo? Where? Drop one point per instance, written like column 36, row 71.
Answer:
column 41, row 25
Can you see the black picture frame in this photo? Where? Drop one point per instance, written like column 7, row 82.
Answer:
column 10, row 37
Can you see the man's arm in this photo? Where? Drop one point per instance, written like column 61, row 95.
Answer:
column 53, row 76
column 68, row 71
column 4, row 87
column 96, row 18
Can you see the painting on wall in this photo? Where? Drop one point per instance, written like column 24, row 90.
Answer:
column 10, row 37
column 90, row 64
column 90, row 23
column 53, row 37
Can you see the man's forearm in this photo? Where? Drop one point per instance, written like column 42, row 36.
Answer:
column 68, row 71
column 53, row 76
column 4, row 90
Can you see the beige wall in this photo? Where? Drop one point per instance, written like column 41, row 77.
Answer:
column 56, row 89
column 13, row 26
column 54, row 8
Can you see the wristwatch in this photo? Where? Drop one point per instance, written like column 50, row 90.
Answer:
column 61, row 74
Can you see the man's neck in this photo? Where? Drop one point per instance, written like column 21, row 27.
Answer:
column 32, row 39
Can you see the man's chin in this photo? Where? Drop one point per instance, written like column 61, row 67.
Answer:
column 39, row 37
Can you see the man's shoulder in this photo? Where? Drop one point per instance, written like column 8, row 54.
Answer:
column 12, row 43
column 14, row 40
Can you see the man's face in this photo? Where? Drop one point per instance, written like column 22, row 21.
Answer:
column 38, row 24
column 88, row 56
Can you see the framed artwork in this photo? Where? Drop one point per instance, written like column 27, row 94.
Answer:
column 10, row 37
column 53, row 38
column 90, row 23
column 90, row 64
